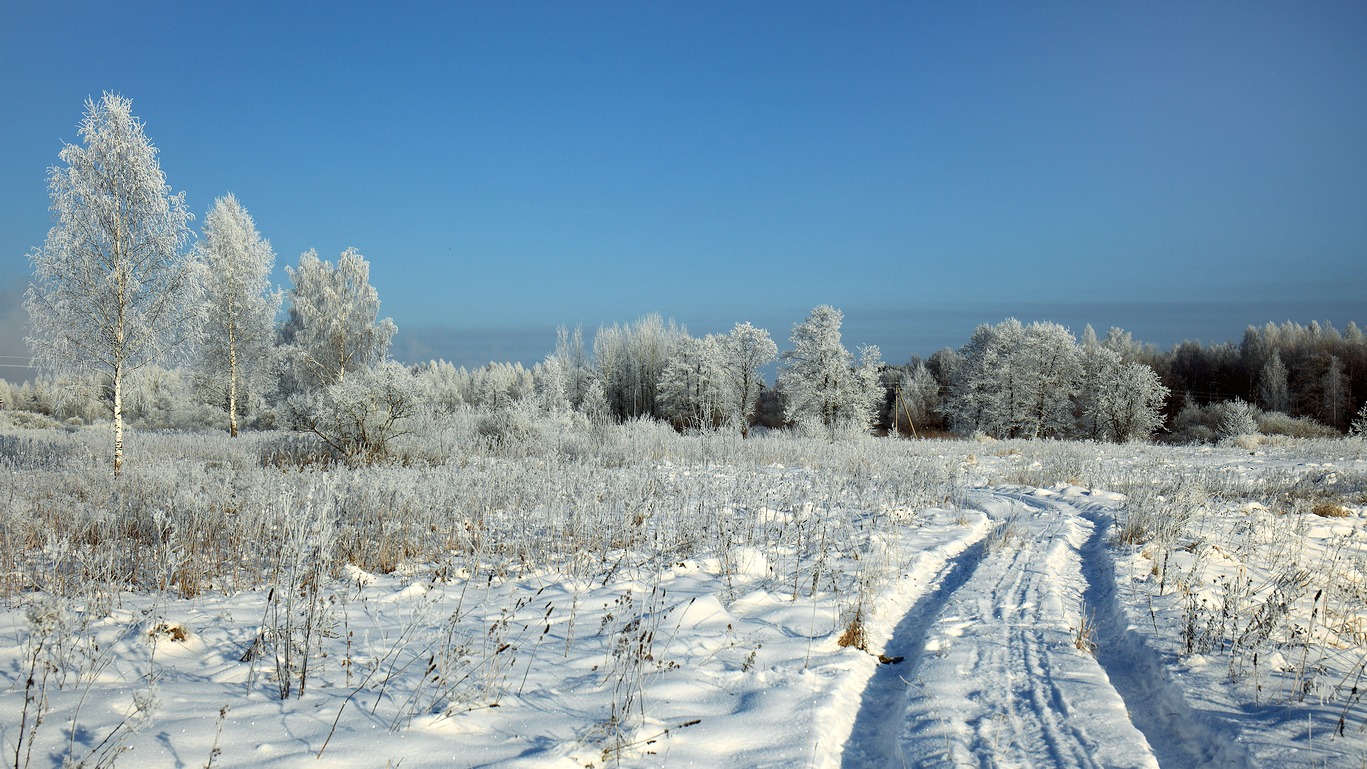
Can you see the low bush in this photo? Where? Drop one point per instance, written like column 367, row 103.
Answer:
column 1277, row 423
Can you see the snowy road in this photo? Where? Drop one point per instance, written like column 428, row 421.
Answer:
column 993, row 674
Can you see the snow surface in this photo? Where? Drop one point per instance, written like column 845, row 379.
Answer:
column 1014, row 632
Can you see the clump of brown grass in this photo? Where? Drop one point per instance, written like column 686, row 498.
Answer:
column 854, row 633
column 1329, row 510
column 1084, row 635
column 174, row 631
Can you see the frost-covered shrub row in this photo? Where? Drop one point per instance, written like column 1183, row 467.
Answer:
column 196, row 513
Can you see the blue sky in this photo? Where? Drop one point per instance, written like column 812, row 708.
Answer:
column 1179, row 169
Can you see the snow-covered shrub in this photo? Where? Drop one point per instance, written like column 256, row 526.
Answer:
column 1278, row 423
column 1193, row 424
column 509, row 431
column 27, row 420
column 1238, row 418
column 65, row 398
column 446, row 388
column 359, row 416
column 165, row 399
column 1359, row 428
column 1223, row 421
column 441, row 386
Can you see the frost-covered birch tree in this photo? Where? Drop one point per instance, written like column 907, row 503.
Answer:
column 1050, row 366
column 823, row 387
column 1272, row 385
column 333, row 327
column 1334, row 388
column 568, row 369
column 1129, row 404
column 984, row 393
column 918, row 395
column 113, row 286
column 744, row 351
column 631, row 359
column 239, row 308
column 692, row 391
column 1095, row 363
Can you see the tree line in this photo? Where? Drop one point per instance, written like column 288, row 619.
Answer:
column 173, row 330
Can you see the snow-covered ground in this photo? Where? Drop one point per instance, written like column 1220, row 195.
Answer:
column 1020, row 605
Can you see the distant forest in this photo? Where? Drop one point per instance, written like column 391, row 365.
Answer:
column 1314, row 372
column 1291, row 379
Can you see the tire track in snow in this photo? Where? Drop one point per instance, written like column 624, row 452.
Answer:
column 1181, row 737
column 878, row 725
column 992, row 677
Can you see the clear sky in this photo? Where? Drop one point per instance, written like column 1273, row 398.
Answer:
column 1180, row 169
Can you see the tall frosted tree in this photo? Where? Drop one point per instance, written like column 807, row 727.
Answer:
column 1017, row 381
column 1095, row 365
column 1272, row 385
column 1129, row 404
column 1050, row 366
column 570, row 363
column 333, row 328
column 824, row 389
column 918, row 396
column 631, row 359
column 744, row 351
column 239, row 308
column 1334, row 386
column 113, row 286
column 985, row 391
column 692, row 390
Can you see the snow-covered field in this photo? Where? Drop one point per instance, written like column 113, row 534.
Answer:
column 623, row 595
